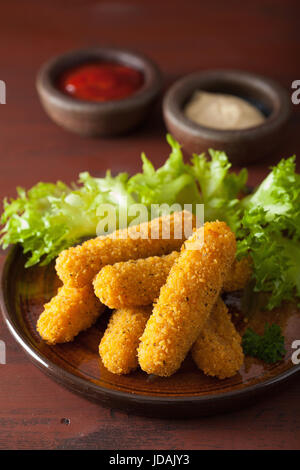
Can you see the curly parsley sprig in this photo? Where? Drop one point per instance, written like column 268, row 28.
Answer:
column 269, row 347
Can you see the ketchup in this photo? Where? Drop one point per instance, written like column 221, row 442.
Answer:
column 101, row 81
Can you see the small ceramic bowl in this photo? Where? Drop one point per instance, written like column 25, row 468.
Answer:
column 244, row 145
column 93, row 118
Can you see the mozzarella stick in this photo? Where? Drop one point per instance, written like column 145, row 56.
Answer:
column 118, row 347
column 68, row 313
column 133, row 283
column 186, row 300
column 239, row 275
column 137, row 282
column 217, row 350
column 78, row 265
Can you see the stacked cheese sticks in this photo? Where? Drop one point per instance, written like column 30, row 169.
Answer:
column 130, row 275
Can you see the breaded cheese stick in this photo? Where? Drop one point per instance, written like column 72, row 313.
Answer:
column 118, row 346
column 69, row 312
column 133, row 283
column 78, row 265
column 137, row 282
column 239, row 275
column 187, row 298
column 217, row 350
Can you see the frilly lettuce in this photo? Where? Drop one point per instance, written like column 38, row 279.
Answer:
column 270, row 232
column 220, row 190
column 51, row 217
column 170, row 184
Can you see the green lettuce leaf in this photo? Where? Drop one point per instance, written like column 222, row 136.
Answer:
column 51, row 217
column 220, row 190
column 173, row 183
column 270, row 233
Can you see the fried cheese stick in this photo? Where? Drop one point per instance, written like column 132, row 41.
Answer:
column 118, row 346
column 137, row 282
column 239, row 275
column 217, row 350
column 133, row 283
column 187, row 298
column 69, row 312
column 78, row 265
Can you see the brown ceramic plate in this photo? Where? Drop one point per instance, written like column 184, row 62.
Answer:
column 77, row 365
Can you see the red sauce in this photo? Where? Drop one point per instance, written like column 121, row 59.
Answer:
column 101, row 81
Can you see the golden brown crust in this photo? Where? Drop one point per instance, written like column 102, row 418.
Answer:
column 137, row 282
column 69, row 312
column 118, row 347
column 239, row 275
column 217, row 350
column 187, row 298
column 78, row 265
column 133, row 283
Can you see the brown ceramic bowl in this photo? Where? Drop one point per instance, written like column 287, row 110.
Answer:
column 93, row 118
column 242, row 146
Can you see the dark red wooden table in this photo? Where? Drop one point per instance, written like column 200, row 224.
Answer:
column 260, row 36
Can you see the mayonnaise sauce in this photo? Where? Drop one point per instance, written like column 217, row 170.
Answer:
column 221, row 111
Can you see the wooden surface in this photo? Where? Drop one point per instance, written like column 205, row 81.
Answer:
column 260, row 36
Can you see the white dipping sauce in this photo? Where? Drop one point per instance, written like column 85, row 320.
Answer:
column 220, row 111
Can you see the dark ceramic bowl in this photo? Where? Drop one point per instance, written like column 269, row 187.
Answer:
column 244, row 145
column 93, row 118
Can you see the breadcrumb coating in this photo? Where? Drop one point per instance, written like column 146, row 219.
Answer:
column 187, row 298
column 137, row 282
column 133, row 283
column 239, row 275
column 78, row 265
column 118, row 347
column 217, row 350
column 69, row 312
